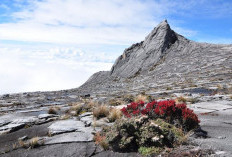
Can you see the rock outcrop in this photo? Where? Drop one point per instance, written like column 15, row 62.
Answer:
column 164, row 58
column 142, row 56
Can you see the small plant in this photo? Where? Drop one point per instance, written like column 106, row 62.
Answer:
column 101, row 140
column 114, row 102
column 141, row 98
column 22, row 143
column 52, row 110
column 77, row 108
column 219, row 86
column 114, row 115
column 64, row 117
column 169, row 88
column 101, row 111
column 14, row 146
column 181, row 99
column 149, row 150
column 34, row 142
column 129, row 98
column 89, row 106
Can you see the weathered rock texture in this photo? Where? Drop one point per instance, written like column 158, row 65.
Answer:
column 164, row 57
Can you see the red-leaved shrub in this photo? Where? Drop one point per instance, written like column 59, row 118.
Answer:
column 177, row 114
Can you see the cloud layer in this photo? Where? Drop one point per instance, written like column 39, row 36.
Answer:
column 51, row 69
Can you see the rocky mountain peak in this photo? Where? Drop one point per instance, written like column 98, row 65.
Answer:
column 142, row 56
column 164, row 58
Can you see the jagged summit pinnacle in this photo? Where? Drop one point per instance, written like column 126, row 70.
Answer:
column 142, row 56
column 164, row 22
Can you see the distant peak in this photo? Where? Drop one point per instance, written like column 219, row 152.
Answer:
column 164, row 22
column 161, row 32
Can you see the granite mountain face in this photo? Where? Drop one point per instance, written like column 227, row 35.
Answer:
column 163, row 59
column 142, row 56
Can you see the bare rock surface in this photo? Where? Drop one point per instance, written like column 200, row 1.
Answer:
column 87, row 120
column 7, row 140
column 218, row 124
column 58, row 150
column 73, row 137
column 63, row 126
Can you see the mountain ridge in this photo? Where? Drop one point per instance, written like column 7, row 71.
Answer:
column 164, row 57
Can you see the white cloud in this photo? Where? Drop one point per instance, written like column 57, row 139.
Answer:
column 85, row 21
column 81, row 22
column 54, row 69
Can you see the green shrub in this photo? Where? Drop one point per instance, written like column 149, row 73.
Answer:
column 128, row 135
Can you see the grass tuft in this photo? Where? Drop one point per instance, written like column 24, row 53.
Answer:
column 114, row 115
column 141, row 98
column 101, row 111
column 181, row 99
column 101, row 140
column 52, row 110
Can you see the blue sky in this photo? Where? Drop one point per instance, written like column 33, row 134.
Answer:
column 58, row 44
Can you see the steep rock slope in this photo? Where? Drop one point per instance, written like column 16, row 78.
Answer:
column 141, row 56
column 162, row 59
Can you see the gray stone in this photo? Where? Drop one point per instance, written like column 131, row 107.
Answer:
column 41, row 116
column 25, row 120
column 4, row 122
column 65, row 126
column 57, row 150
column 12, row 127
column 70, row 138
column 88, row 120
column 213, row 105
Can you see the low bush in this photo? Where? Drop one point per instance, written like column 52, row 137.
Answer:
column 177, row 114
column 149, row 127
column 128, row 135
